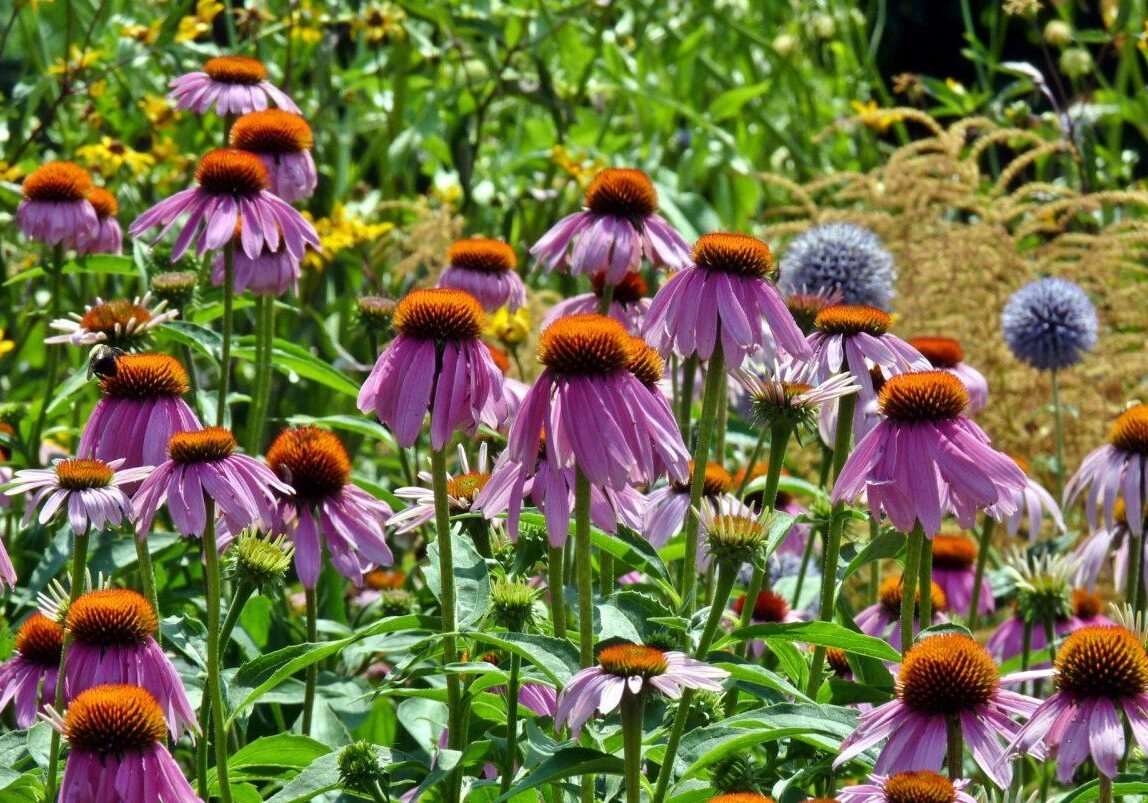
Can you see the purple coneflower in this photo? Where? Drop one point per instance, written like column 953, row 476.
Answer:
column 436, row 363
column 857, row 340
column 1099, row 672
column 271, row 273
column 108, row 237
column 203, row 465
column 882, row 620
column 486, row 269
column 631, row 668
column 57, row 209
column 1031, row 503
column 327, row 507
column 1117, row 469
column 229, row 85
column 916, row 786
column 597, row 413
column 462, row 489
column 28, row 678
column 941, row 679
column 233, row 188
column 666, row 507
column 954, row 570
column 1105, row 543
column 283, row 141
column 111, row 635
column 140, row 409
column 1081, row 609
column 619, row 225
column 628, row 305
column 946, row 354
column 513, row 390
column 119, row 323
column 87, row 490
column 724, row 295
column 116, row 734
column 926, row 458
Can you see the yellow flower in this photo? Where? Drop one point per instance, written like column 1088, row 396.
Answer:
column 10, row 172
column 955, row 85
column 80, row 60
column 873, row 116
column 191, row 28
column 109, row 156
column 157, row 109
column 578, row 166
column 340, row 231
column 5, row 344
column 380, row 23
column 145, row 34
column 509, row 328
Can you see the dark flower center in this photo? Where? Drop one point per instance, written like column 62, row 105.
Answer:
column 953, row 552
column 1086, row 605
column 104, row 202
column 203, row 446
column 919, row 786
column 312, row 460
column 380, row 579
column 272, row 131
column 439, row 314
column 235, row 70
column 621, row 192
column 585, row 345
column 1130, row 432
column 230, row 171
column 483, row 255
column 941, row 352
column 113, row 617
column 111, row 720
column 735, row 254
column 630, row 290
column 144, row 377
column 769, row 607
column 1102, row 661
column 40, row 640
column 57, row 182
column 741, row 797
column 627, row 660
column 645, row 362
column 849, row 320
column 717, row 481
column 892, row 590
column 83, row 472
column 947, row 674
column 837, row 661
column 923, row 396
column 112, row 317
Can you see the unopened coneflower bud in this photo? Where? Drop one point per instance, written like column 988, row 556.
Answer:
column 359, row 768
column 12, row 413
column 1043, row 590
column 177, row 288
column 375, row 314
column 663, row 640
column 737, row 773
column 733, row 538
column 512, row 602
column 395, row 602
column 706, row 708
column 261, row 561
column 157, row 259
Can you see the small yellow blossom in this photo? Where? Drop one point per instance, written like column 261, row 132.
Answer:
column 193, row 27
column 340, row 231
column 97, row 89
column 578, row 166
column 380, row 23
column 10, row 172
column 1021, row 8
column 5, row 344
column 80, row 60
column 145, row 34
column 873, row 116
column 109, row 156
column 509, row 328
column 955, row 85
column 157, row 109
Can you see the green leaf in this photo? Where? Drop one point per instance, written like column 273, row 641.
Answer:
column 281, row 751
column 827, row 634
column 471, row 578
column 290, row 358
column 729, row 103
column 557, row 658
column 71, row 387
column 567, row 763
column 348, row 423
column 889, row 544
column 1122, row 785
column 101, row 264
column 195, row 336
column 320, row 776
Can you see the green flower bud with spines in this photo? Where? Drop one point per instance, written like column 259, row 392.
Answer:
column 512, row 602
column 260, row 561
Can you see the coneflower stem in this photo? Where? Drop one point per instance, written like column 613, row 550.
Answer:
column 449, row 614
column 1132, row 582
column 606, row 299
column 79, row 572
column 726, row 575
column 686, row 400
column 926, row 607
column 751, row 464
column 956, row 746
column 52, row 353
column 214, row 682
column 512, row 723
column 711, row 397
column 806, row 559
column 1104, row 792
column 556, row 582
column 147, row 574
column 311, row 677
column 243, row 592
column 979, row 577
column 1058, row 427
column 260, row 396
column 225, row 348
column 841, row 439
column 584, row 569
column 606, row 577
column 909, row 585
column 632, row 705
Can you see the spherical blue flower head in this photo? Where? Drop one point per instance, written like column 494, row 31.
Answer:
column 842, row 257
column 1049, row 323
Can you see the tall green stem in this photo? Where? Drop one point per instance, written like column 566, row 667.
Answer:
column 147, row 573
column 982, row 561
column 955, row 744
column 751, row 464
column 1059, row 427
column 909, row 585
column 1132, row 581
column 557, row 581
column 511, row 723
column 606, row 299
column 841, row 439
column 261, row 394
column 686, row 400
column 726, row 575
column 1104, row 792
column 214, row 681
column 925, row 610
column 225, row 348
column 79, row 572
column 449, row 613
column 715, row 385
column 311, row 676
column 632, row 743
column 582, row 562
column 52, row 354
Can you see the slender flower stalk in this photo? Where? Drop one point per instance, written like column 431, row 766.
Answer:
column 986, row 537
column 582, row 559
column 225, row 347
column 311, row 677
column 632, row 705
column 556, row 584
column 455, row 722
column 260, row 395
column 909, row 598
column 214, row 690
column 52, row 358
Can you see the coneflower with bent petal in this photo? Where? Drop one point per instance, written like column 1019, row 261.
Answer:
column 28, row 678
column 108, row 237
column 228, row 85
column 946, row 354
column 485, row 268
column 915, row 786
column 628, row 304
column 283, row 141
column 1118, row 469
column 88, row 491
column 120, row 323
column 56, row 208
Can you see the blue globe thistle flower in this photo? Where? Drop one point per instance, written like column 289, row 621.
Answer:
column 1049, row 323
column 840, row 257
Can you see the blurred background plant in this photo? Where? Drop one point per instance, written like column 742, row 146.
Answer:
column 987, row 142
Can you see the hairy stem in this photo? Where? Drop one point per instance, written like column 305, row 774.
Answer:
column 979, row 578
column 225, row 348
column 214, row 667
column 449, row 613
column 909, row 585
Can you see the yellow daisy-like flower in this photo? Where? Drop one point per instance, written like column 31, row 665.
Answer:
column 193, row 27
column 340, row 231
column 380, row 23
column 874, row 117
column 109, row 156
column 80, row 60
column 10, row 172
column 509, row 328
column 145, row 34
column 157, row 109
column 577, row 166
column 6, row 345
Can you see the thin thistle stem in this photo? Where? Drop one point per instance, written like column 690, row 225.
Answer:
column 1058, row 426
